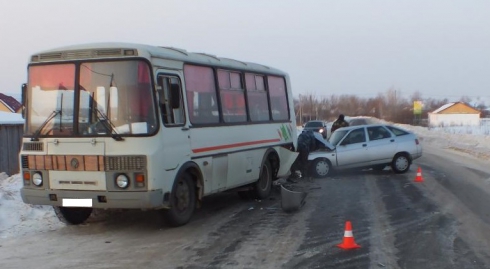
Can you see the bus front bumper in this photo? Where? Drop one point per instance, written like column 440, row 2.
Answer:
column 97, row 199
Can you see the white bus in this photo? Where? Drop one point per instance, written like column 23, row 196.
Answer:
column 118, row 125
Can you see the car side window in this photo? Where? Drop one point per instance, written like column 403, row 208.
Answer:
column 378, row 132
column 356, row 136
column 396, row 131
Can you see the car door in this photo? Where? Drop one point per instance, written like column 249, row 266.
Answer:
column 352, row 150
column 382, row 144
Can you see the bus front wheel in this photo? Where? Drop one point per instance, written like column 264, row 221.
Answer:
column 72, row 215
column 263, row 186
column 182, row 201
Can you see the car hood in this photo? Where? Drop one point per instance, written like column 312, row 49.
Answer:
column 327, row 144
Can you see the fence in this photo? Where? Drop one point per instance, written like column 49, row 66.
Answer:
column 10, row 143
column 485, row 121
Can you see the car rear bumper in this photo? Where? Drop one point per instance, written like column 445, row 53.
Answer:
column 417, row 155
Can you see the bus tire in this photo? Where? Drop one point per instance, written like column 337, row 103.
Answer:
column 262, row 188
column 182, row 201
column 72, row 215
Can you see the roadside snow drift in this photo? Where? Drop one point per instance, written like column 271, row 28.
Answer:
column 18, row 218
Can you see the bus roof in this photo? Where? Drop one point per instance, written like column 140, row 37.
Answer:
column 113, row 50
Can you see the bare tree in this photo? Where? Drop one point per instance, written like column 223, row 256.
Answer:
column 465, row 99
column 390, row 106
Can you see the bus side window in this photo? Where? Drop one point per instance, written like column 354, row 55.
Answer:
column 171, row 104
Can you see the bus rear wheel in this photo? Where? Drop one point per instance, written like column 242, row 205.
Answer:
column 72, row 215
column 262, row 188
column 182, row 201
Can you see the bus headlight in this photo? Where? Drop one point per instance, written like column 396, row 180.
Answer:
column 321, row 131
column 122, row 181
column 37, row 179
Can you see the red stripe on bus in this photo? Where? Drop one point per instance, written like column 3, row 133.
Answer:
column 235, row 145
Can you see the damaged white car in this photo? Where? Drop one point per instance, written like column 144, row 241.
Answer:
column 366, row 146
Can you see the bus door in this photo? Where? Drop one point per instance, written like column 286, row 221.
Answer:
column 175, row 140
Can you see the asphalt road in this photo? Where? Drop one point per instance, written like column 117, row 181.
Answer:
column 442, row 222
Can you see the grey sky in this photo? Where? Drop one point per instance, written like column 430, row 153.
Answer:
column 440, row 47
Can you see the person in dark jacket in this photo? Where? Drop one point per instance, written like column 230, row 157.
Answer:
column 339, row 123
column 306, row 143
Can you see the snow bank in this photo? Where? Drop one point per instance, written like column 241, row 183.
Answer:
column 18, row 218
column 470, row 140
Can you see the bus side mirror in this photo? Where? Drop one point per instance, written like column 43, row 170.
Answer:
column 24, row 95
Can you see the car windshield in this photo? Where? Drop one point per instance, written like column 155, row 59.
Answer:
column 117, row 94
column 363, row 121
column 337, row 136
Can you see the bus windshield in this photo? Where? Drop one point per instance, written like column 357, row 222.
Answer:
column 112, row 97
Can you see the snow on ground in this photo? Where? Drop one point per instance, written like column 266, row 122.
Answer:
column 471, row 140
column 17, row 218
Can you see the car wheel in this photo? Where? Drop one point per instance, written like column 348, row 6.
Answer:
column 182, row 201
column 72, row 215
column 262, row 188
column 321, row 167
column 400, row 163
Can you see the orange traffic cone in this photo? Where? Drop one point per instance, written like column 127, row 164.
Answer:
column 348, row 242
column 419, row 178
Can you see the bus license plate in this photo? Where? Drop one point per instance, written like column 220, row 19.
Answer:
column 77, row 202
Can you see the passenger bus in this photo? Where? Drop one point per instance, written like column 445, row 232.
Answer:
column 119, row 125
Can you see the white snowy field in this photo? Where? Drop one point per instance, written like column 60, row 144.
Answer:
column 18, row 219
column 471, row 140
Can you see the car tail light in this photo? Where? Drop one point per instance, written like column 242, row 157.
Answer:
column 416, row 141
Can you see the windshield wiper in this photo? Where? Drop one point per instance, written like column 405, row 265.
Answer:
column 37, row 133
column 103, row 119
column 107, row 124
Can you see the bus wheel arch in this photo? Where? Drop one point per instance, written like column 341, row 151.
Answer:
column 186, row 195
column 268, row 171
column 272, row 156
column 193, row 170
